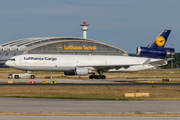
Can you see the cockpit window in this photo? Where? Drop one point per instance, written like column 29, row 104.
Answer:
column 12, row 59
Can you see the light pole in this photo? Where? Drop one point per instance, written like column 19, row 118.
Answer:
column 172, row 57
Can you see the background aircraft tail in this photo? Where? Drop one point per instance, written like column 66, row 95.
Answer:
column 156, row 48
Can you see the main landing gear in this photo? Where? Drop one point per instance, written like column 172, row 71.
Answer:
column 97, row 77
column 101, row 76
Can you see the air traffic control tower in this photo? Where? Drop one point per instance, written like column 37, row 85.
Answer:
column 59, row 46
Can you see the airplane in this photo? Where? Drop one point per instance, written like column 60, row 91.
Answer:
column 74, row 64
column 89, row 64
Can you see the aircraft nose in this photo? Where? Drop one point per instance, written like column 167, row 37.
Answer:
column 7, row 63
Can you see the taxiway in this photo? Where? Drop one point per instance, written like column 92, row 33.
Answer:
column 41, row 105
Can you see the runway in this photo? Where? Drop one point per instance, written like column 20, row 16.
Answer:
column 40, row 105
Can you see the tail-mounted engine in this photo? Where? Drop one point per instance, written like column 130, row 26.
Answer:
column 154, row 52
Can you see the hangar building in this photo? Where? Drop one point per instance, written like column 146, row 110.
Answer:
column 57, row 45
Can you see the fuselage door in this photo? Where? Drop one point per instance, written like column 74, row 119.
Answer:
column 20, row 61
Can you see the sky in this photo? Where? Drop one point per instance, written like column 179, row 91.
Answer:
column 125, row 24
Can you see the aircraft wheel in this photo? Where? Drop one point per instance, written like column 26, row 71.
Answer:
column 91, row 77
column 103, row 77
column 16, row 76
column 32, row 76
column 98, row 77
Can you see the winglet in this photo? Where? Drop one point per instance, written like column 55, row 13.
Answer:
column 147, row 61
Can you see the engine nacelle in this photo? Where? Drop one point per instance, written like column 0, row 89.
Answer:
column 154, row 52
column 81, row 71
column 78, row 71
column 70, row 73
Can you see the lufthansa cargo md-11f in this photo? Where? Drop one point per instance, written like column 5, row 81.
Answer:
column 89, row 64
column 82, row 64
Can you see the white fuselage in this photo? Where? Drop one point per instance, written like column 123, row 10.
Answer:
column 40, row 62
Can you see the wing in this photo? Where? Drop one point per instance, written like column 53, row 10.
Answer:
column 160, row 62
column 115, row 66
column 112, row 66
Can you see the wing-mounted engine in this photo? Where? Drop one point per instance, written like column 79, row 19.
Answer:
column 70, row 73
column 154, row 52
column 81, row 71
column 78, row 71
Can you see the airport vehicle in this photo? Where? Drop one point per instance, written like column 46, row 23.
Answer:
column 26, row 75
column 156, row 49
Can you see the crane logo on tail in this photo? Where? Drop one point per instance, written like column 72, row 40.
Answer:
column 160, row 41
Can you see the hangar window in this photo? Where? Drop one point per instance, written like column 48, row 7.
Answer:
column 53, row 39
column 29, row 45
column 69, row 38
column 6, row 54
column 22, row 44
column 37, row 42
column 30, row 42
column 15, row 54
column 61, row 38
column 45, row 40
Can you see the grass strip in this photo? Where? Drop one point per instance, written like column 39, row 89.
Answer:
column 92, row 92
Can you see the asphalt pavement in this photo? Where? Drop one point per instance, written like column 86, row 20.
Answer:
column 41, row 105
column 12, row 117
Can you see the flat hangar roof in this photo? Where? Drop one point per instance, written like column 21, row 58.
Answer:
column 24, row 44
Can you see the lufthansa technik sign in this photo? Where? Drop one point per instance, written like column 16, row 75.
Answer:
column 71, row 47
